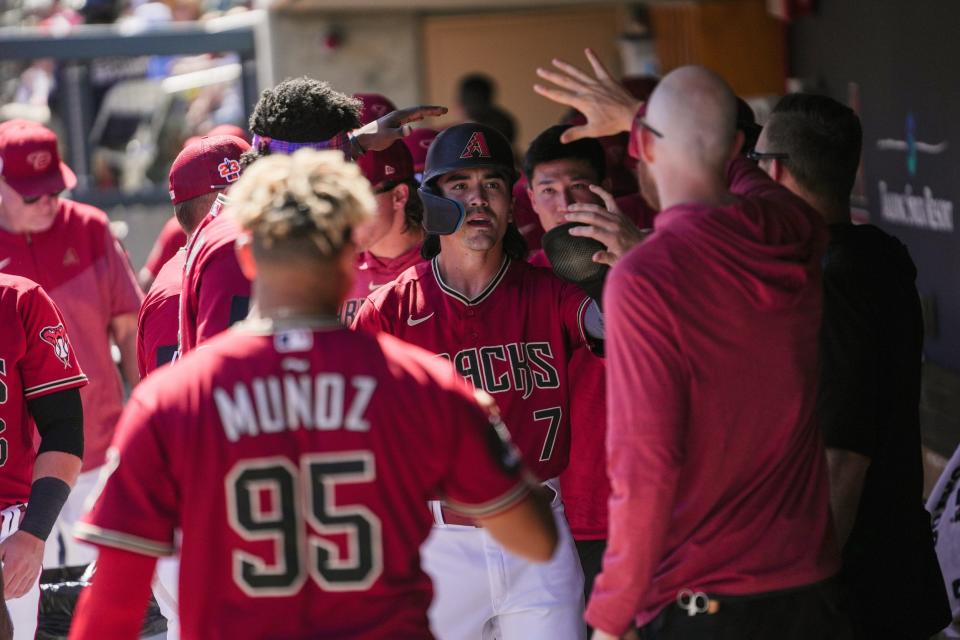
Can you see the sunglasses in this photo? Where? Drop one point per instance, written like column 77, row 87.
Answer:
column 35, row 199
column 757, row 156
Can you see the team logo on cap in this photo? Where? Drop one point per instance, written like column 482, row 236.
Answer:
column 39, row 160
column 56, row 337
column 476, row 147
column 229, row 170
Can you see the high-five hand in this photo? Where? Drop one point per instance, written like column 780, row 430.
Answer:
column 381, row 133
column 608, row 107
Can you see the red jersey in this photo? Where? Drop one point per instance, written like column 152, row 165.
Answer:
column 171, row 239
column 35, row 360
column 83, row 268
column 297, row 462
column 584, row 484
column 715, row 454
column 514, row 341
column 370, row 274
column 215, row 292
column 159, row 317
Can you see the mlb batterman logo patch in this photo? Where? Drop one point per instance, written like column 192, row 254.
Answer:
column 229, row 170
column 56, row 337
column 476, row 147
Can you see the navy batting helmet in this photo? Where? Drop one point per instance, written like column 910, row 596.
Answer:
column 463, row 146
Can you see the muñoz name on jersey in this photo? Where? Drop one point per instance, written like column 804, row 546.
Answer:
column 271, row 404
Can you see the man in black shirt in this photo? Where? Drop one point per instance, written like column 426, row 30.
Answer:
column 871, row 342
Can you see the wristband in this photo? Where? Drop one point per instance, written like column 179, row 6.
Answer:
column 356, row 149
column 47, row 497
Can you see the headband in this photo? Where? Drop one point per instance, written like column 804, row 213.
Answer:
column 338, row 142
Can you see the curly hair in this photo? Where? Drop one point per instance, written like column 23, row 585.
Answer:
column 302, row 110
column 301, row 205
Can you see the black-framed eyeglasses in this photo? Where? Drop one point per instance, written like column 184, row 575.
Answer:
column 643, row 123
column 757, row 156
column 35, row 199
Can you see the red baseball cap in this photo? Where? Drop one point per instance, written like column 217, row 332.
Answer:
column 30, row 161
column 393, row 164
column 230, row 130
column 210, row 164
column 418, row 142
column 375, row 106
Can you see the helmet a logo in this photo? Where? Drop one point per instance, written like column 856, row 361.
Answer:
column 476, row 147
column 39, row 160
column 56, row 337
column 229, row 170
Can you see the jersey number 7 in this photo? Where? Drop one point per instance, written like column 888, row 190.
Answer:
column 264, row 498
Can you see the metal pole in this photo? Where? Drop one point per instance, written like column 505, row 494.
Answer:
column 78, row 120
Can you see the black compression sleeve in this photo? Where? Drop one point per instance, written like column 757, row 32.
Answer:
column 59, row 418
column 47, row 497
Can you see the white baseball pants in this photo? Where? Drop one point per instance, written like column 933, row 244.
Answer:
column 23, row 610
column 482, row 592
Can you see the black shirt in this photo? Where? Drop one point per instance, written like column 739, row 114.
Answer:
column 871, row 342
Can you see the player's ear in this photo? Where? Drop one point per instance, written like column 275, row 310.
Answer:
column 244, row 250
column 401, row 193
column 645, row 144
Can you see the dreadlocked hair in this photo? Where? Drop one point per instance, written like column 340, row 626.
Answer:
column 301, row 205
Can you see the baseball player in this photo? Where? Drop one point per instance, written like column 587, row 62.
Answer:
column 274, row 449
column 390, row 242
column 200, row 172
column 40, row 384
column 297, row 113
column 510, row 329
column 563, row 184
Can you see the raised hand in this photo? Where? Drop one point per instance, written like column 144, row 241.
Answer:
column 608, row 107
column 381, row 133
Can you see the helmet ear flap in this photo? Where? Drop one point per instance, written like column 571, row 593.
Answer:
column 441, row 216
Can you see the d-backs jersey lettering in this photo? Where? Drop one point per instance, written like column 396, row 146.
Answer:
column 514, row 341
column 302, row 458
column 35, row 359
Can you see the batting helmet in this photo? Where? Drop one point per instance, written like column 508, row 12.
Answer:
column 463, row 146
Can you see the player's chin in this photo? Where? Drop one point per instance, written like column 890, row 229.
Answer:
column 482, row 240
